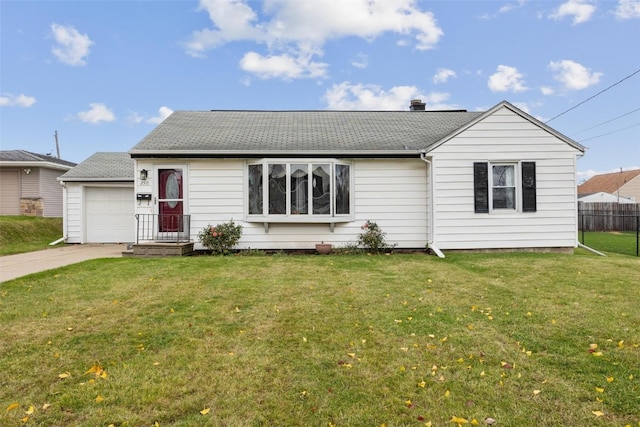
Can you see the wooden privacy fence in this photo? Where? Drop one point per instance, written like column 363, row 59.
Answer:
column 608, row 216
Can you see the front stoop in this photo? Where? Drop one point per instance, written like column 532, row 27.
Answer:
column 160, row 249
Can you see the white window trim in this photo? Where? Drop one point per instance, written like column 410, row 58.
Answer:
column 308, row 218
column 517, row 184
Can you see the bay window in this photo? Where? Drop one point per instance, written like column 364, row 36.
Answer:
column 299, row 189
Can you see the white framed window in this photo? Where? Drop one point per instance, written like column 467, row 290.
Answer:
column 299, row 189
column 504, row 187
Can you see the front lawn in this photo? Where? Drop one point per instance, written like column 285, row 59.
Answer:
column 400, row 340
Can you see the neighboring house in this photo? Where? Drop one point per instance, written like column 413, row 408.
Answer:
column 99, row 200
column 498, row 179
column 624, row 184
column 28, row 184
column 602, row 197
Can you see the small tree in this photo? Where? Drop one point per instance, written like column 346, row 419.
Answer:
column 372, row 238
column 222, row 238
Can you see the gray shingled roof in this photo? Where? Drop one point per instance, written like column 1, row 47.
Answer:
column 22, row 156
column 103, row 166
column 300, row 132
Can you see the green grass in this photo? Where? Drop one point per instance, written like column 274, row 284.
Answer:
column 398, row 340
column 20, row 234
column 611, row 242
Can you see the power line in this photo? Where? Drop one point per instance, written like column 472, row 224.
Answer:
column 608, row 121
column 609, row 133
column 591, row 97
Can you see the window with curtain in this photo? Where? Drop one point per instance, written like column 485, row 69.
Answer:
column 301, row 188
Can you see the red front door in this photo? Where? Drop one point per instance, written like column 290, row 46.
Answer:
column 170, row 200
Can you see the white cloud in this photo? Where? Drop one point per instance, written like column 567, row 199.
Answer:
column 506, row 79
column 573, row 76
column 163, row 113
column 442, row 75
column 71, row 47
column 347, row 96
column 547, row 90
column 10, row 100
column 136, row 118
column 360, row 61
column 627, row 9
column 580, row 10
column 96, row 114
column 282, row 66
column 295, row 31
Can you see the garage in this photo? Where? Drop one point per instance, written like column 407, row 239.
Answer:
column 109, row 215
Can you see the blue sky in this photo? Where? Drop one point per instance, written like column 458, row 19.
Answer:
column 104, row 73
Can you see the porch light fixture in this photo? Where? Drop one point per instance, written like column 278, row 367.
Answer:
column 144, row 174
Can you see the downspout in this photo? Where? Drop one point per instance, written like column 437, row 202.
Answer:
column 64, row 216
column 432, row 209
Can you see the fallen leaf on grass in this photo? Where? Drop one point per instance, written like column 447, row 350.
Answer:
column 597, row 413
column 30, row 410
column 459, row 420
column 205, row 411
column 46, row 406
column 599, row 389
column 536, row 392
column 13, row 406
column 64, row 375
column 25, row 419
column 99, row 398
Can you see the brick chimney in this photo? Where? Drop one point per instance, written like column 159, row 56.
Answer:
column 417, row 105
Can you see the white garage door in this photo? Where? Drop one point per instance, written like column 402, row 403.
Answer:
column 109, row 215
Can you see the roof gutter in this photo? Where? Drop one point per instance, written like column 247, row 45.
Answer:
column 35, row 164
column 243, row 154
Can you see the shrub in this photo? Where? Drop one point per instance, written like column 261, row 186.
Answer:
column 372, row 238
column 222, row 238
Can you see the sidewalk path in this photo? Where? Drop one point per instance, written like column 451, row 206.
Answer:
column 13, row 266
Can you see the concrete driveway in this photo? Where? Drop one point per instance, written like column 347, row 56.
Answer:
column 13, row 266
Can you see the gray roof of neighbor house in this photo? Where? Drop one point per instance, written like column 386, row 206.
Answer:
column 27, row 158
column 102, row 166
column 309, row 133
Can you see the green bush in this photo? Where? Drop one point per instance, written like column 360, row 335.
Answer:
column 222, row 238
column 372, row 238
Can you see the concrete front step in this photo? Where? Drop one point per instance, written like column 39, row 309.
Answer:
column 159, row 249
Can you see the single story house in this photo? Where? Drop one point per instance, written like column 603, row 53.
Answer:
column 497, row 179
column 623, row 184
column 99, row 203
column 28, row 183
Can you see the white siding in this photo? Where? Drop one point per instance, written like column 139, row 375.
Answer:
column 73, row 213
column 392, row 193
column 504, row 136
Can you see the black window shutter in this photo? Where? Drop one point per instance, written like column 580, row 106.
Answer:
column 528, row 186
column 481, row 187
